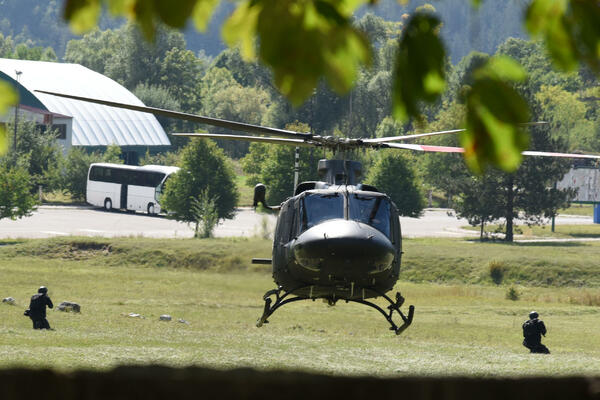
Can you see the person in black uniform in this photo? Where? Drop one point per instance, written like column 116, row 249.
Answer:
column 533, row 329
column 37, row 308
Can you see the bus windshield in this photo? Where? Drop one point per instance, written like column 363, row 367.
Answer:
column 318, row 208
column 371, row 210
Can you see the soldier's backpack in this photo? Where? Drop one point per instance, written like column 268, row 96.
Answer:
column 37, row 303
column 530, row 328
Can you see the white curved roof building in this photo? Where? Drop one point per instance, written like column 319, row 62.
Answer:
column 91, row 125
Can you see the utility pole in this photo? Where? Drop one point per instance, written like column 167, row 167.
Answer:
column 18, row 74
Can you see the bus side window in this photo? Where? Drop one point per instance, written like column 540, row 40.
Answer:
column 96, row 173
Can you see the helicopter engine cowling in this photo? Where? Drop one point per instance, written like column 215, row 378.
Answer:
column 345, row 248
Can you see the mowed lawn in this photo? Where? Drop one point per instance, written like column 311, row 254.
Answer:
column 459, row 328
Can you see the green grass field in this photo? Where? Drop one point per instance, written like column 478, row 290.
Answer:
column 463, row 325
column 586, row 231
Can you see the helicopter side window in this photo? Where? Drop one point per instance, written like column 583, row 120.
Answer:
column 374, row 211
column 319, row 208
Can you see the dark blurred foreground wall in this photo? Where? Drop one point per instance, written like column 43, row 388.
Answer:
column 156, row 382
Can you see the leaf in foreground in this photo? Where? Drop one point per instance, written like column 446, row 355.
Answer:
column 301, row 41
column 494, row 111
column 419, row 71
column 8, row 98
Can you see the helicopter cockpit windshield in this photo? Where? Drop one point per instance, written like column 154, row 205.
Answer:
column 317, row 208
column 371, row 210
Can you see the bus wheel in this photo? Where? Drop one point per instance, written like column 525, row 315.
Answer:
column 108, row 204
column 151, row 209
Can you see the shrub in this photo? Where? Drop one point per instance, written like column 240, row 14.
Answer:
column 512, row 294
column 497, row 269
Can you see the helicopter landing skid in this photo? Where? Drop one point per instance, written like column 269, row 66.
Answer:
column 281, row 300
column 394, row 306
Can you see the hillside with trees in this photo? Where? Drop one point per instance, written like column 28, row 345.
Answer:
column 42, row 24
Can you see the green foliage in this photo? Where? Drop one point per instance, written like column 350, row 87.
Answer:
column 301, row 42
column 570, row 30
column 161, row 97
column 497, row 269
column 419, row 72
column 95, row 49
column 393, row 174
column 566, row 114
column 204, row 210
column 512, row 294
column 203, row 167
column 494, row 110
column 273, row 166
column 8, row 98
column 75, row 169
column 38, row 151
column 482, row 199
column 112, row 154
column 16, row 198
column 169, row 158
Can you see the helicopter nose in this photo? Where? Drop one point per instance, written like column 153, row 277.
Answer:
column 339, row 245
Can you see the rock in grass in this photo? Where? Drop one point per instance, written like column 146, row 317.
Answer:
column 134, row 315
column 165, row 317
column 10, row 301
column 183, row 321
column 68, row 306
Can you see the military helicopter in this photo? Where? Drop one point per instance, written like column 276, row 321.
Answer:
column 335, row 239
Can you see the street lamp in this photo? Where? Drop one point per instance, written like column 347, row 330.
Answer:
column 18, row 74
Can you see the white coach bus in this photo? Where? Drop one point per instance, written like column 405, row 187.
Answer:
column 116, row 186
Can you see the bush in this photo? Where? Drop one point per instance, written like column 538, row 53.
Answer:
column 497, row 269
column 513, row 294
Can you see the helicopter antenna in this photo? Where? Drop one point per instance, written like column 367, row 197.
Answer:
column 296, row 168
column 345, row 171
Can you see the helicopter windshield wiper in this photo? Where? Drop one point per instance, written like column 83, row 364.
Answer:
column 374, row 210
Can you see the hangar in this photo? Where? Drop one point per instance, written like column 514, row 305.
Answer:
column 87, row 125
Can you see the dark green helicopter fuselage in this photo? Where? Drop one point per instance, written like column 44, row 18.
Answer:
column 337, row 242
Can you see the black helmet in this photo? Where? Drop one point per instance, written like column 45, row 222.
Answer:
column 533, row 315
column 43, row 289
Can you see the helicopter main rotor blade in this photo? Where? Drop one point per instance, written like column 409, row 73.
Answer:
column 222, row 123
column 420, row 135
column 411, row 137
column 424, row 147
column 259, row 139
column 450, row 149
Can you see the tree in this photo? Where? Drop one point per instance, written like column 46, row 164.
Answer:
column 392, row 174
column 74, row 171
column 203, row 167
column 480, row 201
column 16, row 198
column 160, row 97
column 136, row 61
column 38, row 151
column 95, row 49
column 567, row 117
column 273, row 165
